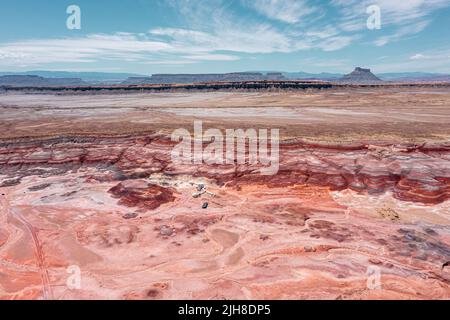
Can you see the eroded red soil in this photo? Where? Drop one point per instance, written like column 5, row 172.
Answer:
column 115, row 206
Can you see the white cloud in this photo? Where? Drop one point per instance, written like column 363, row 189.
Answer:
column 402, row 33
column 418, row 56
column 404, row 12
column 212, row 31
column 252, row 39
column 336, row 43
column 212, row 57
column 166, row 62
column 288, row 11
column 85, row 49
column 215, row 42
column 430, row 61
column 400, row 19
column 119, row 46
column 393, row 12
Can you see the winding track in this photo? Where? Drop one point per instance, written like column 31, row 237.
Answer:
column 46, row 287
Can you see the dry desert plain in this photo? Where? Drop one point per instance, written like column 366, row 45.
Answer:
column 358, row 210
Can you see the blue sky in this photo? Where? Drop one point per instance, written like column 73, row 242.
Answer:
column 205, row 36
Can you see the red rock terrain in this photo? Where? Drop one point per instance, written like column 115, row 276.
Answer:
column 411, row 172
column 351, row 196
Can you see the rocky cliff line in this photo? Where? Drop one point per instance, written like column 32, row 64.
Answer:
column 216, row 86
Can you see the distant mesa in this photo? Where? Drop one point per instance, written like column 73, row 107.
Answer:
column 43, row 79
column 31, row 80
column 200, row 78
column 360, row 76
